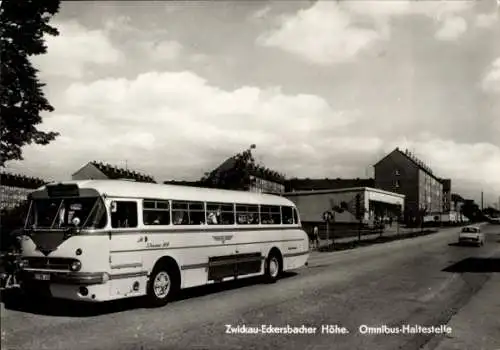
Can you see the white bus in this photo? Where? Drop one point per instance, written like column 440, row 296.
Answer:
column 99, row 240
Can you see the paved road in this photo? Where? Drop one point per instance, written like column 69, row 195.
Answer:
column 391, row 284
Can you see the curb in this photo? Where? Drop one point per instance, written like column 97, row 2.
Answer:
column 317, row 255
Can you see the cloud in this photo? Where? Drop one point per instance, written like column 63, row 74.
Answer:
column 487, row 20
column 452, row 28
column 321, row 34
column 491, row 80
column 74, row 50
column 331, row 32
column 165, row 50
column 479, row 162
column 177, row 124
column 260, row 14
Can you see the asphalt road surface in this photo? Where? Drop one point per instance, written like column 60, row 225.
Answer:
column 422, row 281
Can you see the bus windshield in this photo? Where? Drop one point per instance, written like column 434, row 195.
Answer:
column 63, row 213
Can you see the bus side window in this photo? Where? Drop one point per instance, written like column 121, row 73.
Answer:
column 180, row 213
column 270, row 215
column 125, row 215
column 265, row 215
column 295, row 216
column 275, row 215
column 247, row 214
column 196, row 213
column 287, row 215
column 220, row 214
column 156, row 212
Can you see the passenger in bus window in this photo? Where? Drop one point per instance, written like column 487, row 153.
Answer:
column 123, row 223
column 179, row 217
column 254, row 219
column 242, row 219
column 156, row 221
column 212, row 218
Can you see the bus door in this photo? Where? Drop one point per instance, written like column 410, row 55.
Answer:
column 126, row 241
column 249, row 255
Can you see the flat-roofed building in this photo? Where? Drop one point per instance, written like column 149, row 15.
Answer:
column 375, row 204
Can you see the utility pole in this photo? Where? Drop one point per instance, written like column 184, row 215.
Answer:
column 482, row 201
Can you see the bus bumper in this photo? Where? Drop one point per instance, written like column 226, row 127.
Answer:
column 71, row 278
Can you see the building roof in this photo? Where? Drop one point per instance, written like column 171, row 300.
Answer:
column 341, row 190
column 457, row 198
column 183, row 183
column 114, row 172
column 412, row 158
column 21, row 181
column 326, row 184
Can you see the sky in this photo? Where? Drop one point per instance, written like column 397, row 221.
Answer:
column 323, row 88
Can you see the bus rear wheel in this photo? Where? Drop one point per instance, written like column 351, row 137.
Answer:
column 273, row 267
column 162, row 286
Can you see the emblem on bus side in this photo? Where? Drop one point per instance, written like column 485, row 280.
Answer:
column 222, row 239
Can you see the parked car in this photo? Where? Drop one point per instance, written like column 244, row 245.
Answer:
column 495, row 221
column 472, row 235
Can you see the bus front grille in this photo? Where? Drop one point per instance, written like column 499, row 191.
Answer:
column 48, row 263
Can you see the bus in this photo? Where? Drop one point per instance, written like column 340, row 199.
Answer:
column 101, row 240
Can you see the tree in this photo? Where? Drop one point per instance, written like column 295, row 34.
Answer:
column 422, row 213
column 238, row 177
column 471, row 210
column 22, row 27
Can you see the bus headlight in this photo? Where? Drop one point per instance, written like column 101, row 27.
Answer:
column 75, row 266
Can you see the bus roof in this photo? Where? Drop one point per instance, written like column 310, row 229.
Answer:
column 131, row 189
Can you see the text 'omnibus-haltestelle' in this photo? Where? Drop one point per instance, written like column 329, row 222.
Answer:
column 99, row 240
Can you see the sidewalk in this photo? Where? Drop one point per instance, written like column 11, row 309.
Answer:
column 389, row 232
column 477, row 324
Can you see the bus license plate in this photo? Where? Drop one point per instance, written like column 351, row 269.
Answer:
column 42, row 277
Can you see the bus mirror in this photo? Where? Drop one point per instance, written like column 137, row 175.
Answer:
column 113, row 207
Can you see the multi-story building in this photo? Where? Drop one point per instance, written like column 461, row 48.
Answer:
column 447, row 203
column 14, row 189
column 402, row 172
column 99, row 171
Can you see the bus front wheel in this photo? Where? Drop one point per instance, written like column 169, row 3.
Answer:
column 162, row 285
column 273, row 267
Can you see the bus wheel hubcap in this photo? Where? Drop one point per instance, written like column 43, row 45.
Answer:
column 161, row 285
column 273, row 267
